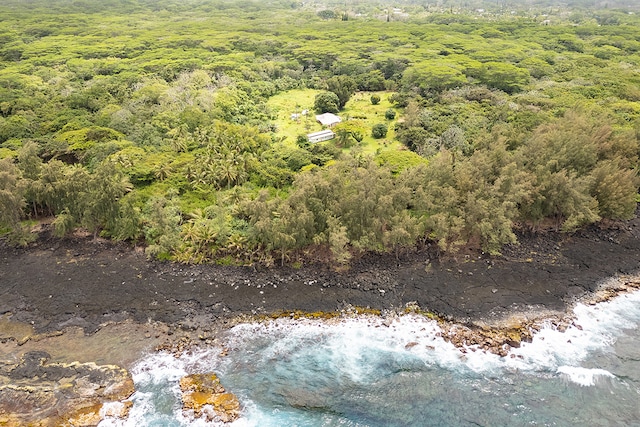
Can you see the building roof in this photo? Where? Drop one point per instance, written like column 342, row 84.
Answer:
column 323, row 135
column 325, row 132
column 328, row 119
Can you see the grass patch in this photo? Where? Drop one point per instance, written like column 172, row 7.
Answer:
column 294, row 102
column 399, row 160
column 7, row 152
column 358, row 108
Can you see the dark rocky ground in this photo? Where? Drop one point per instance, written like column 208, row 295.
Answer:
column 77, row 307
column 53, row 284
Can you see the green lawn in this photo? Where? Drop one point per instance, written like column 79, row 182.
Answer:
column 358, row 108
column 294, row 101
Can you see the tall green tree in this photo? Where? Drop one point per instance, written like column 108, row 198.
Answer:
column 102, row 199
column 343, row 86
column 433, row 77
column 12, row 202
column 326, row 102
column 615, row 188
column 563, row 158
column 504, row 76
column 162, row 219
column 30, row 165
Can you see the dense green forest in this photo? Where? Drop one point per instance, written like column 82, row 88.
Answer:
column 181, row 125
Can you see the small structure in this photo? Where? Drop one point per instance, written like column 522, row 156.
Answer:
column 323, row 135
column 328, row 119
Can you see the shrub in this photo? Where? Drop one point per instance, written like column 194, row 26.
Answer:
column 379, row 130
column 302, row 140
column 390, row 114
column 375, row 99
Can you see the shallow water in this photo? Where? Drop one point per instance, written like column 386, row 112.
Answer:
column 119, row 344
column 359, row 372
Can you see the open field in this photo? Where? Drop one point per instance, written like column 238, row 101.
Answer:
column 358, row 108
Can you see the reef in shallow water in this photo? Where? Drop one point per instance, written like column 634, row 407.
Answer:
column 35, row 392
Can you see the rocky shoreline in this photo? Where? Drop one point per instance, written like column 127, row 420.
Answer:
column 108, row 296
column 38, row 392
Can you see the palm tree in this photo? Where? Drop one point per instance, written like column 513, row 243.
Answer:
column 163, row 171
column 344, row 136
column 228, row 173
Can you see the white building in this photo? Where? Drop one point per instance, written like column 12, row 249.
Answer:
column 323, row 135
column 328, row 119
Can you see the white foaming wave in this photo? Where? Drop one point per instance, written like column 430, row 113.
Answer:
column 158, row 367
column 142, row 405
column 110, row 413
column 595, row 327
column 584, row 376
column 357, row 346
column 163, row 371
column 154, row 369
column 353, row 345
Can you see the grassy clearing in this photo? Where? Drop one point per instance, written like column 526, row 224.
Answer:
column 294, row 101
column 358, row 108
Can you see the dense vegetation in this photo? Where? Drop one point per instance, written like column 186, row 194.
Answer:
column 164, row 123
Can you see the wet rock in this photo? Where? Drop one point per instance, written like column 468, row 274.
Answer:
column 34, row 392
column 307, row 399
column 497, row 340
column 515, row 343
column 205, row 396
column 116, row 409
column 176, row 346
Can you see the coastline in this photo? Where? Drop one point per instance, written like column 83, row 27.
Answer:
column 81, row 300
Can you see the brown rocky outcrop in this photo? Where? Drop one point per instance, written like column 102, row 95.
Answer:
column 205, row 396
column 512, row 332
column 34, row 392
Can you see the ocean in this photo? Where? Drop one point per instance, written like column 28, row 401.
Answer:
column 369, row 371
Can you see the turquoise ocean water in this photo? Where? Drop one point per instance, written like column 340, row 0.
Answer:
column 370, row 372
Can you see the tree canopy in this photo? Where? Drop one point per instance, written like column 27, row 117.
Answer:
column 152, row 122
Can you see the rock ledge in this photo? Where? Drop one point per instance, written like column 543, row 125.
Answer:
column 34, row 392
column 205, row 396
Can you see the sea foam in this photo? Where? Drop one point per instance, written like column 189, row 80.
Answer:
column 584, row 376
column 296, row 358
column 595, row 328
